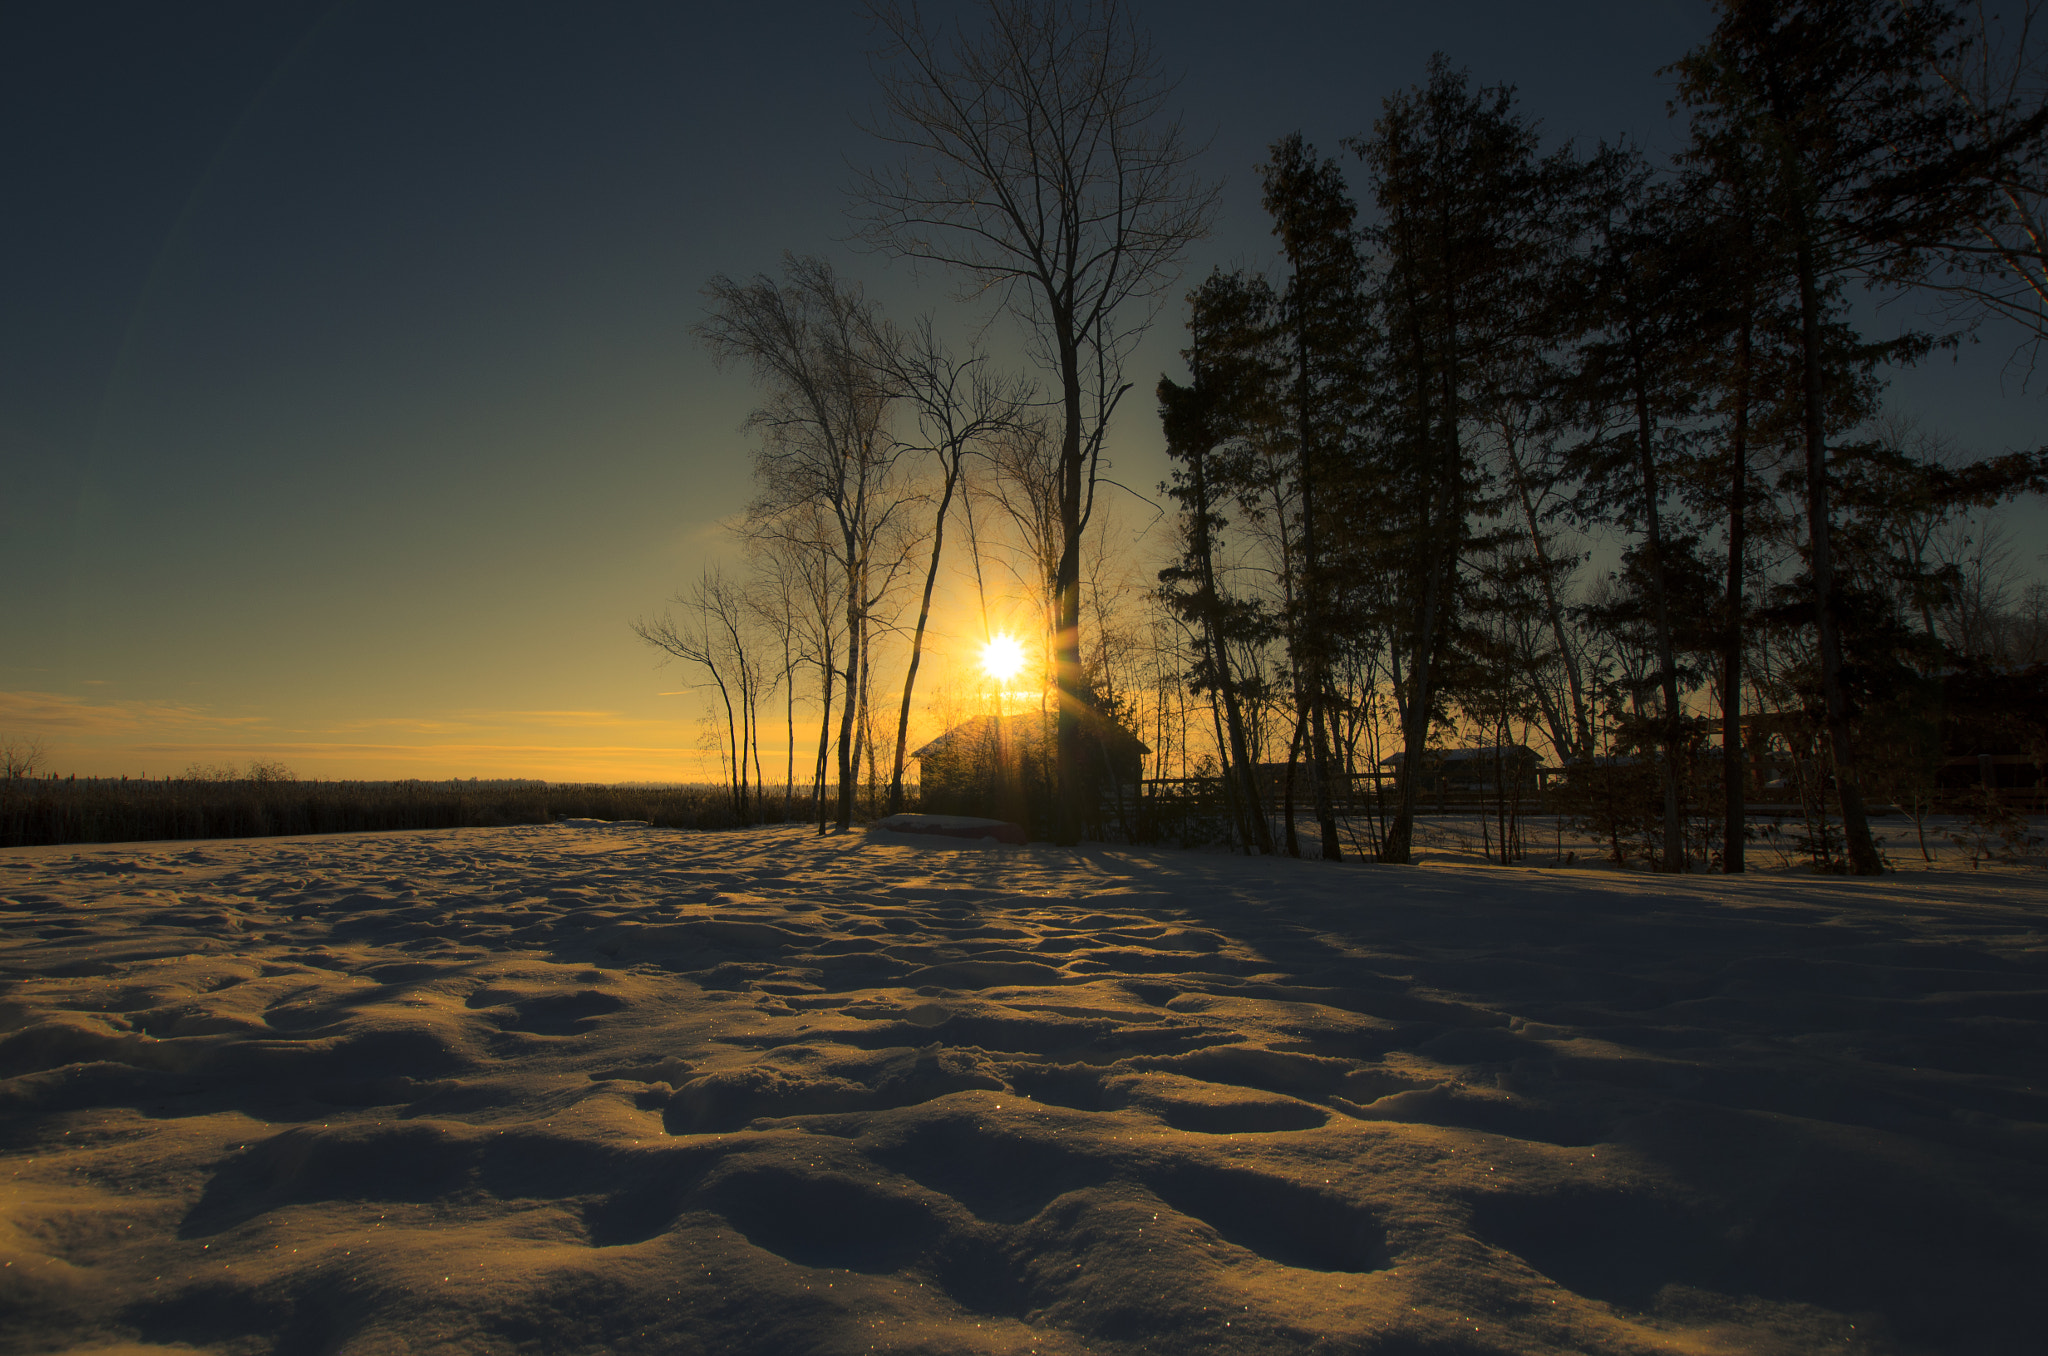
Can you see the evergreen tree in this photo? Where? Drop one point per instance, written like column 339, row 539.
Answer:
column 1229, row 328
column 1464, row 209
column 1633, row 384
column 1862, row 175
column 1324, row 333
column 1736, row 255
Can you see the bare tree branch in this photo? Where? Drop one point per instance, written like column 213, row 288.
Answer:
column 1038, row 159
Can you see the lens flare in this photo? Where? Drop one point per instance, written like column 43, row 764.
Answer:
column 1002, row 658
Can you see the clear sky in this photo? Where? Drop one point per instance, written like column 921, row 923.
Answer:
column 349, row 409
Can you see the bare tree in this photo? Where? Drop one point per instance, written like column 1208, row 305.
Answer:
column 889, row 563
column 1977, row 555
column 2020, row 639
column 823, row 358
column 799, row 574
column 21, row 757
column 270, row 773
column 1997, row 80
column 1024, row 487
column 1530, row 467
column 957, row 404
column 1039, row 160
column 712, row 633
column 778, row 600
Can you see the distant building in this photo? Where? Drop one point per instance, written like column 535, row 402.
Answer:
column 1004, row 768
column 1475, row 769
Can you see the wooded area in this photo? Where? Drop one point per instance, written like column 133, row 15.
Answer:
column 1394, row 457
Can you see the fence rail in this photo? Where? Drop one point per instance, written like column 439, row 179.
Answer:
column 1368, row 791
column 1364, row 791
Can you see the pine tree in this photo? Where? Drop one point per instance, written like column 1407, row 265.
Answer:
column 1735, row 249
column 1325, row 336
column 1634, row 386
column 1464, row 212
column 1864, row 171
column 1229, row 328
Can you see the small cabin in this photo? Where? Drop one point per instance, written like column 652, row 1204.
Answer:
column 1486, row 768
column 1004, row 767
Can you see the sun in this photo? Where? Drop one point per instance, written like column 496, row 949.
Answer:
column 1002, row 658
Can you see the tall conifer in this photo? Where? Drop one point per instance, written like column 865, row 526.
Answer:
column 1865, row 170
column 1462, row 214
column 1324, row 333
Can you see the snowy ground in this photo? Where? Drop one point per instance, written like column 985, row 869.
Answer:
column 1938, row 842
column 564, row 1089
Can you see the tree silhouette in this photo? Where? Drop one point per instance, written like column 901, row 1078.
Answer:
column 823, row 358
column 1038, row 160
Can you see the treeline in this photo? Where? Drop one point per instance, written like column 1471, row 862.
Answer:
column 1032, row 159
column 1393, row 457
column 866, row 432
column 878, row 449
column 38, row 810
column 1391, row 454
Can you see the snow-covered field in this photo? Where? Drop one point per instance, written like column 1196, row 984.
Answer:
column 575, row 1089
column 1939, row 842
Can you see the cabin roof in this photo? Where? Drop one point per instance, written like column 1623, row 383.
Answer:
column 1025, row 724
column 1506, row 753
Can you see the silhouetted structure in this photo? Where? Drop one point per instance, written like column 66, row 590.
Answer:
column 1476, row 769
column 1004, row 768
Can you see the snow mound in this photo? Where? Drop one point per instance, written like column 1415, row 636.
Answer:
column 763, row 1092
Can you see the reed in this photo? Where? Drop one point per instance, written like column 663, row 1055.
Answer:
column 43, row 810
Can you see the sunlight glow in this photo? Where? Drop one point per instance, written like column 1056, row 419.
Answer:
column 1002, row 658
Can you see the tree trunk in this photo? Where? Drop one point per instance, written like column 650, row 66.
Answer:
column 1067, row 601
column 856, row 657
column 1401, row 832
column 1667, row 660
column 739, row 763
column 754, row 721
column 1733, row 812
column 1442, row 516
column 1229, row 778
column 1578, row 741
column 826, row 673
column 924, row 612
column 864, row 728
column 789, row 734
column 1414, row 726
column 1245, row 771
column 1287, row 793
column 1310, row 624
column 745, row 747
column 1863, row 860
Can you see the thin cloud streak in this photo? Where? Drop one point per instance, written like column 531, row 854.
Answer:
column 155, row 737
column 55, row 711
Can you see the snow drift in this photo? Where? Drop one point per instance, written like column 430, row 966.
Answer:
column 583, row 1090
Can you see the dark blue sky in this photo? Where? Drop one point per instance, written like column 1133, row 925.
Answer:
column 348, row 401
